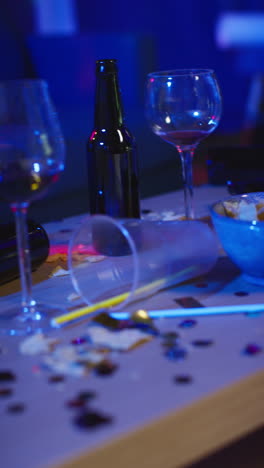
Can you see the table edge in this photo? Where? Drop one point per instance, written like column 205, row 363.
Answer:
column 185, row 436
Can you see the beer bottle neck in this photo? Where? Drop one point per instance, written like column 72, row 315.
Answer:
column 108, row 105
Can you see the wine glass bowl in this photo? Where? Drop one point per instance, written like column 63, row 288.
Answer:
column 183, row 107
column 32, row 155
column 31, row 144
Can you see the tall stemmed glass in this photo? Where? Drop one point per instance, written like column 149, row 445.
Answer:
column 183, row 107
column 31, row 159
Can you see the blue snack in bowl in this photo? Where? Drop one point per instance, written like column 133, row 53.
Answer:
column 239, row 223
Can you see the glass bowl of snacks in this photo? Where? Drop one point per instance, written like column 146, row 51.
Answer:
column 239, row 224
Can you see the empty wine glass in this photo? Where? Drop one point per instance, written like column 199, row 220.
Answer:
column 31, row 159
column 183, row 107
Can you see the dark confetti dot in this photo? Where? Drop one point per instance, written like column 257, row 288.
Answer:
column 168, row 344
column 183, row 379
column 188, row 323
column 146, row 211
column 252, row 349
column 16, row 408
column 105, row 368
column 7, row 376
column 85, row 396
column 79, row 340
column 170, row 335
column 92, row 419
column 65, row 230
column 175, row 353
column 201, row 285
column 5, row 392
column 188, row 302
column 202, row 343
column 241, row 293
column 56, row 378
column 169, row 339
column 75, row 403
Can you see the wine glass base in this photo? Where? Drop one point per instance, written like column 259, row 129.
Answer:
column 16, row 322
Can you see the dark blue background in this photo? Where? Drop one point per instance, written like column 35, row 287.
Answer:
column 144, row 35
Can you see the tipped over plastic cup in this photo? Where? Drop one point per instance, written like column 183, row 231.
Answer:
column 120, row 261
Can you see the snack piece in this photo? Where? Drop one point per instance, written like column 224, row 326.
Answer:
column 260, row 211
column 37, row 344
column 231, row 208
column 59, row 271
column 247, row 211
column 123, row 340
column 243, row 210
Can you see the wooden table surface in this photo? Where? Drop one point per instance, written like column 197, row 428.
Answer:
column 152, row 419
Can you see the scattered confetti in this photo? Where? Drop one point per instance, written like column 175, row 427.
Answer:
column 7, row 376
column 75, row 403
column 252, row 349
column 105, row 368
column 92, row 356
column 37, row 344
column 71, row 360
column 5, row 392
column 36, row 369
column 170, row 336
column 183, row 379
column 86, row 395
column 202, row 343
column 92, row 419
column 175, row 353
column 188, row 302
column 56, row 378
column 79, row 340
column 71, row 368
column 16, row 408
column 169, row 339
column 188, row 323
column 81, row 400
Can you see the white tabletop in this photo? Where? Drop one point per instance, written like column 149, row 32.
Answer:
column 153, row 421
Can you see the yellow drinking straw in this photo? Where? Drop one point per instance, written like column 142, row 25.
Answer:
column 113, row 301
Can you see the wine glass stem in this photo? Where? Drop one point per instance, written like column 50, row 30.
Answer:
column 187, row 175
column 24, row 258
